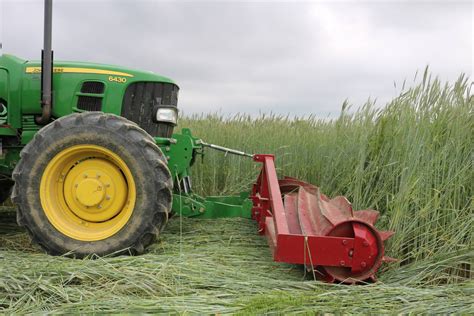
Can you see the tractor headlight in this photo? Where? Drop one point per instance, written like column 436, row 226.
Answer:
column 166, row 115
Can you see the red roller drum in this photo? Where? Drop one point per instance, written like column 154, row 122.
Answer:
column 304, row 226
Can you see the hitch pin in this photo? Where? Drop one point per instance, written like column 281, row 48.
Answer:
column 227, row 150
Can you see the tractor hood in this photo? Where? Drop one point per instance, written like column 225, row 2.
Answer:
column 75, row 67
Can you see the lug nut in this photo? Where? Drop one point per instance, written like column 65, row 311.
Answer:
column 344, row 242
column 343, row 263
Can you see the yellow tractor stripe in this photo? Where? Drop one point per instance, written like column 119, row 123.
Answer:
column 74, row 70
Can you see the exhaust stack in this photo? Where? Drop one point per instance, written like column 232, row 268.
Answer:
column 46, row 66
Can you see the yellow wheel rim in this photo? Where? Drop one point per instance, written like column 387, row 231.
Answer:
column 87, row 192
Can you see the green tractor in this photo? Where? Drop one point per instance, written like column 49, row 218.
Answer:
column 89, row 155
column 86, row 181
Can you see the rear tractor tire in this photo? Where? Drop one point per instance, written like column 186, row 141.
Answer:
column 92, row 183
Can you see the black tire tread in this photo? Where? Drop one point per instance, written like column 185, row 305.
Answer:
column 154, row 157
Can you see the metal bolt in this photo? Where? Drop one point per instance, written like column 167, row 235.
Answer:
column 99, row 206
column 344, row 242
column 343, row 263
column 167, row 148
column 351, row 253
column 107, row 197
column 363, row 264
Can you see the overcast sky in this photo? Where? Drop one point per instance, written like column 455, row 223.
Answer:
column 267, row 56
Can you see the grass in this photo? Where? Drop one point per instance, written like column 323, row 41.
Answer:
column 211, row 267
column 411, row 160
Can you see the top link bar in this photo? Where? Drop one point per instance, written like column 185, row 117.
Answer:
column 227, row 150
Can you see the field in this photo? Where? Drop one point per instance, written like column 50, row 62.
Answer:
column 412, row 160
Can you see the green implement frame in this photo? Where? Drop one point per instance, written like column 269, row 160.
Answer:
column 181, row 151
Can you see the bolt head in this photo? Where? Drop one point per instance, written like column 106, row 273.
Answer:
column 342, row 263
column 363, row 264
column 344, row 242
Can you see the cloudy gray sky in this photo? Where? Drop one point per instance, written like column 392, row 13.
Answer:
column 248, row 56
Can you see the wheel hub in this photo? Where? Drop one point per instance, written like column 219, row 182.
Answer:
column 89, row 192
column 95, row 190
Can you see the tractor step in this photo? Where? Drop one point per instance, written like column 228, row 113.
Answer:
column 304, row 226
